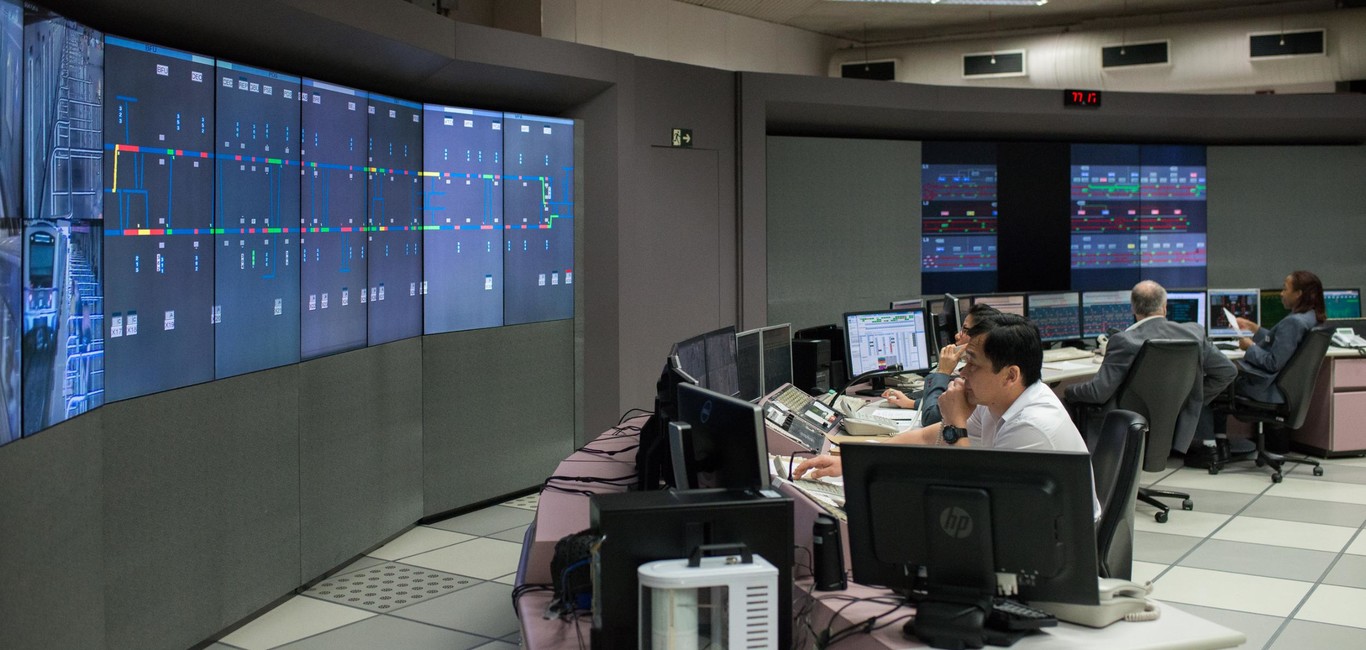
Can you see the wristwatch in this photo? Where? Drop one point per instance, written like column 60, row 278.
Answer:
column 952, row 434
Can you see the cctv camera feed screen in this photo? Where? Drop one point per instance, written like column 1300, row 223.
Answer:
column 332, row 265
column 538, row 212
column 395, row 219
column 63, row 312
column 11, row 232
column 158, row 206
column 256, row 277
column 463, row 218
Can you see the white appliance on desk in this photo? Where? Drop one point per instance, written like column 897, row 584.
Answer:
column 708, row 602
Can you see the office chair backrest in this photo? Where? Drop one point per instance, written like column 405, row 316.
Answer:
column 1159, row 382
column 1115, row 464
column 1297, row 378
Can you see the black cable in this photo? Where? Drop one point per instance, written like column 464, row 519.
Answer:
column 523, row 589
column 626, row 416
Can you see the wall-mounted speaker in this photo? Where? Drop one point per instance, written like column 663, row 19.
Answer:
column 1312, row 42
column 879, row 70
column 994, row 64
column 1135, row 54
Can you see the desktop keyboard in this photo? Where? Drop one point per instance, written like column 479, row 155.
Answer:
column 1066, row 354
column 1011, row 616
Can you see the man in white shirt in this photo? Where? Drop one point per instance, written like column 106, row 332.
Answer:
column 998, row 401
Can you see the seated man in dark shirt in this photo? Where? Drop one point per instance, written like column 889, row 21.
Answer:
column 1149, row 301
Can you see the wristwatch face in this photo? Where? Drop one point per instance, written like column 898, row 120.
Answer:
column 953, row 434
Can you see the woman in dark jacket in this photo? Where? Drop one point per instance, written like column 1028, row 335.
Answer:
column 1269, row 349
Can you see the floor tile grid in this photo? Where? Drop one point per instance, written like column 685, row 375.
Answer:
column 1291, row 617
column 484, row 640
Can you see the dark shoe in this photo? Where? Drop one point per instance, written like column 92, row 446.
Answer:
column 1222, row 449
column 1201, row 455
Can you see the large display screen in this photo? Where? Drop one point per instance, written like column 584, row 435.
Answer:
column 256, row 274
column 958, row 218
column 332, row 265
column 463, row 218
column 158, row 206
column 538, row 209
column 11, row 233
column 395, row 219
column 1138, row 214
column 63, row 344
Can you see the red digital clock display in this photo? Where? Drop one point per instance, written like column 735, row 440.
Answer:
column 1084, row 98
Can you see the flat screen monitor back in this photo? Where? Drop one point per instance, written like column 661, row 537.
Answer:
column 718, row 441
column 749, row 364
column 777, row 344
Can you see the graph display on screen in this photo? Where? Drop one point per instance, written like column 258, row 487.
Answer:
column 63, row 344
column 1057, row 315
column 463, row 218
column 1103, row 311
column 11, row 233
column 538, row 213
column 394, row 219
column 332, row 264
column 1138, row 214
column 880, row 340
column 158, row 207
column 958, row 213
column 256, row 277
column 1342, row 303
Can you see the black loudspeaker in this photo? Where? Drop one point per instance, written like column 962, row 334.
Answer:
column 811, row 365
column 827, row 552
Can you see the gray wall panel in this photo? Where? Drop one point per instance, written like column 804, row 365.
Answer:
column 201, row 508
column 843, row 227
column 52, row 538
column 360, row 452
column 678, row 241
column 1273, row 210
column 497, row 411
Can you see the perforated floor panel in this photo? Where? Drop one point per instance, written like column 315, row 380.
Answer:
column 387, row 587
column 527, row 502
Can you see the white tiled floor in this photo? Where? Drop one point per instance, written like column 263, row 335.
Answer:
column 1283, row 563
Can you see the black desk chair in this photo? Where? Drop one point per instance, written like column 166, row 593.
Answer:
column 1115, row 464
column 1157, row 386
column 1296, row 383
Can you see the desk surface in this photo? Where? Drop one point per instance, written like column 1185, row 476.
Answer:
column 560, row 514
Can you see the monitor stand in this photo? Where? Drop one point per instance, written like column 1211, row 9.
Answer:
column 961, row 578
column 877, row 386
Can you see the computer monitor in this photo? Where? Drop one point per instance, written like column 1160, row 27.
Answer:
column 1186, row 307
column 1342, row 304
column 1272, row 308
column 718, row 441
column 1006, row 303
column 946, row 318
column 924, row 519
column 910, row 303
column 722, row 375
column 1240, row 303
column 1103, row 311
column 1057, row 315
column 777, row 356
column 877, row 340
column 749, row 364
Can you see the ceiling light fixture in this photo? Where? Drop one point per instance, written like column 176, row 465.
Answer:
column 994, row 3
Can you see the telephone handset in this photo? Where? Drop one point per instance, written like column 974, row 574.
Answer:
column 857, row 425
column 1119, row 599
column 1346, row 337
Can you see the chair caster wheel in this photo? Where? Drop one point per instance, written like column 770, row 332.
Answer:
column 1318, row 471
column 1276, row 478
column 1161, row 516
column 1187, row 504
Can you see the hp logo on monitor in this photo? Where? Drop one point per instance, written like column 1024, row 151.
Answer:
column 956, row 522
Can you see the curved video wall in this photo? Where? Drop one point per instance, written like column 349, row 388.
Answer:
column 170, row 218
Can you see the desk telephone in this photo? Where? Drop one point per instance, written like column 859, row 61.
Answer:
column 1119, row 599
column 859, row 420
column 1346, row 337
